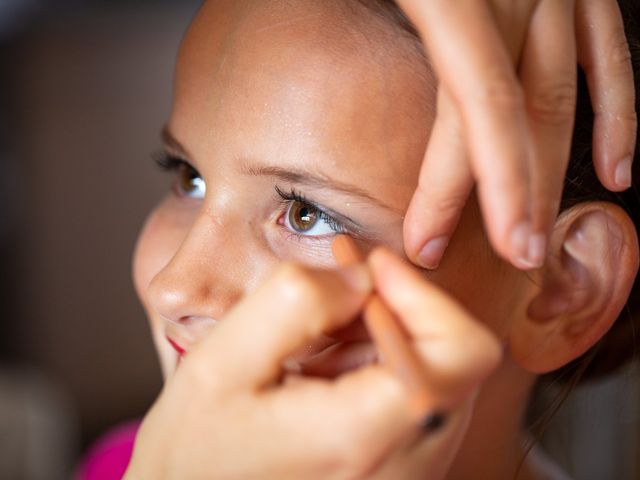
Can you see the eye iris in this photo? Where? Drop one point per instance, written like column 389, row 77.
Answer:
column 188, row 180
column 302, row 217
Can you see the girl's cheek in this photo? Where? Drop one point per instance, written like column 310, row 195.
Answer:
column 159, row 240
column 287, row 246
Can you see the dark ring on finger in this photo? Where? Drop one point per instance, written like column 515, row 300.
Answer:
column 433, row 422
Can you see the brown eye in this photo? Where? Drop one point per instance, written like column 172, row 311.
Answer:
column 302, row 217
column 190, row 183
column 305, row 219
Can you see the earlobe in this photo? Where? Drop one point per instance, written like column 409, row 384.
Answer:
column 581, row 290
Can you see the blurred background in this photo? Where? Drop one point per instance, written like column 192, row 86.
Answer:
column 85, row 87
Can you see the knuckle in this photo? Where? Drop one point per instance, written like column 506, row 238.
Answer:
column 450, row 204
column 298, row 285
column 502, row 92
column 450, row 120
column 618, row 53
column 614, row 56
column 442, row 201
column 553, row 103
column 623, row 116
column 633, row 121
column 629, row 117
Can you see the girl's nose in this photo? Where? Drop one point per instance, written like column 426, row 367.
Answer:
column 202, row 280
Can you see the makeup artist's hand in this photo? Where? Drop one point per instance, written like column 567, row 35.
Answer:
column 506, row 106
column 231, row 412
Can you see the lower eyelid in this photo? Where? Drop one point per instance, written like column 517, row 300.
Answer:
column 299, row 237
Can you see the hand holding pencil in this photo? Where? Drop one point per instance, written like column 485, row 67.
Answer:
column 396, row 347
column 365, row 423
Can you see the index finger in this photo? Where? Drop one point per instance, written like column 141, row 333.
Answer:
column 471, row 60
column 456, row 348
column 604, row 54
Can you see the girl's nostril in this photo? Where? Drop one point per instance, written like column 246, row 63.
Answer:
column 197, row 324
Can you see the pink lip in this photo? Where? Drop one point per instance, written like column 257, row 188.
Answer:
column 181, row 351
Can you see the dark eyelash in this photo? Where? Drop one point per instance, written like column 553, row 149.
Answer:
column 171, row 163
column 294, row 196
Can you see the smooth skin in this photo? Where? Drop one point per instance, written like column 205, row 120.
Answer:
column 507, row 73
column 301, row 96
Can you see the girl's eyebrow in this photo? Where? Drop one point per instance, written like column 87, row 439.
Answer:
column 301, row 177
column 314, row 180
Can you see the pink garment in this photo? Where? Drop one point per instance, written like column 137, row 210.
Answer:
column 108, row 458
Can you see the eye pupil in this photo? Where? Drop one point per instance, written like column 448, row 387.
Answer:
column 302, row 217
column 189, row 180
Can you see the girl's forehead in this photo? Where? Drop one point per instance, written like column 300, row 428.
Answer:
column 299, row 80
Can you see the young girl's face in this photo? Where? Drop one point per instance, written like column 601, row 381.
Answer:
column 293, row 121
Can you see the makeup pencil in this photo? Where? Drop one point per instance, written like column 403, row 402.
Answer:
column 393, row 344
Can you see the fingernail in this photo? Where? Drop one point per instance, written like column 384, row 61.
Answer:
column 537, row 249
column 357, row 277
column 623, row 173
column 431, row 253
column 520, row 244
column 528, row 250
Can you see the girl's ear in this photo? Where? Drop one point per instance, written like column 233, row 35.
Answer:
column 581, row 290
